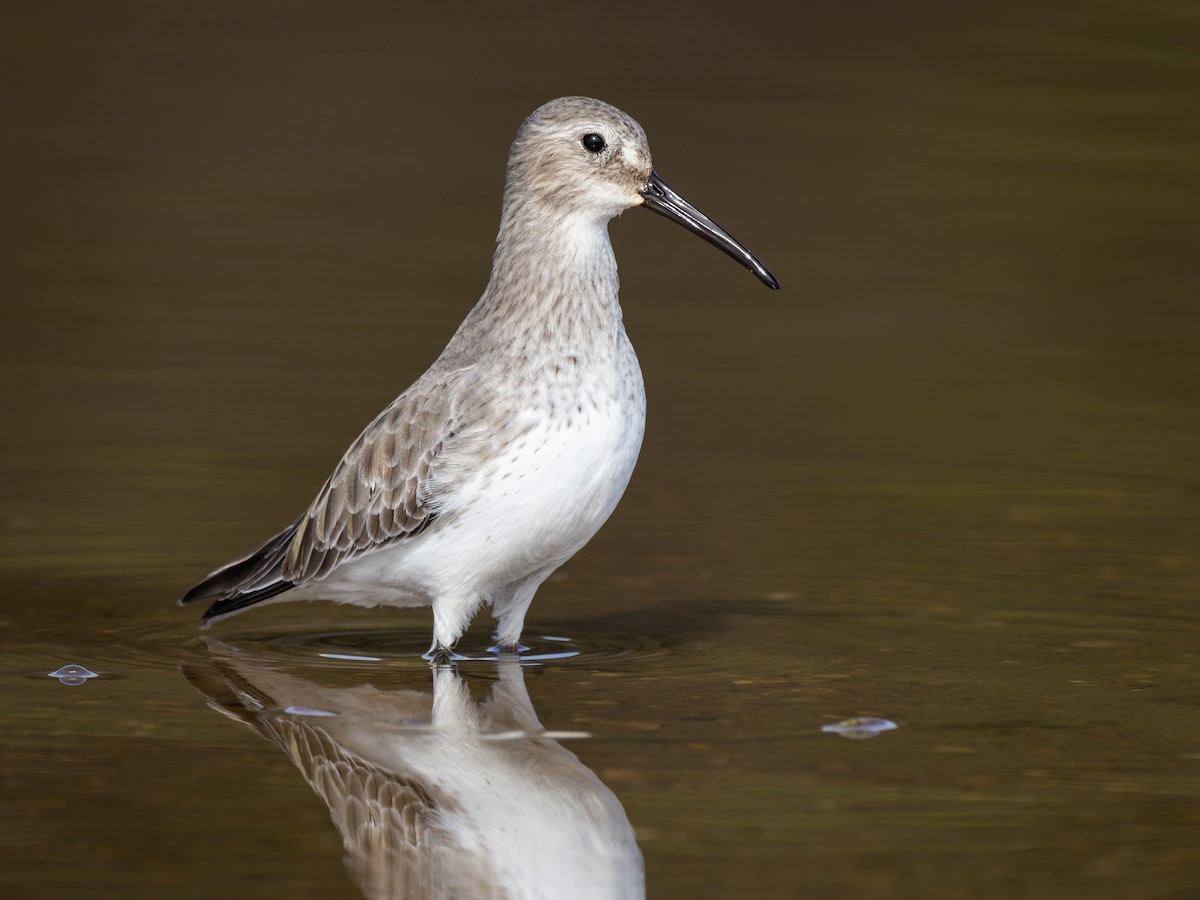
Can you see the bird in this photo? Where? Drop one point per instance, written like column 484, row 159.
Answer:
column 503, row 460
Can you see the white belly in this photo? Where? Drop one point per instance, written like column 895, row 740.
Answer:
column 525, row 512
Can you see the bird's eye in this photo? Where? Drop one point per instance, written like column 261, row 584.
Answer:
column 593, row 143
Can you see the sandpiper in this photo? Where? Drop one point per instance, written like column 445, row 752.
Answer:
column 510, row 452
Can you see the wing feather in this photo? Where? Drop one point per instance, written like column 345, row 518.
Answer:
column 385, row 487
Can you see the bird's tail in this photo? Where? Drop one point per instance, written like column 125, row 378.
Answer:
column 256, row 577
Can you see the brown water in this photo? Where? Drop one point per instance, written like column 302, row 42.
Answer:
column 949, row 477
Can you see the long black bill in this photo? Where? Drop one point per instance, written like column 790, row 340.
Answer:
column 664, row 201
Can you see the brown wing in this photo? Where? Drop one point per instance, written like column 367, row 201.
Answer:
column 391, row 484
column 382, row 489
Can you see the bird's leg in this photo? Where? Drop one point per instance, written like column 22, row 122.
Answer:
column 510, row 613
column 451, row 616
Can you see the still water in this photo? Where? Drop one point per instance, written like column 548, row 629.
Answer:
column 949, row 477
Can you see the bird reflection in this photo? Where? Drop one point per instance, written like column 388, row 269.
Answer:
column 434, row 794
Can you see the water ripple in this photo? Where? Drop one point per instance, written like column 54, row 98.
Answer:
column 372, row 647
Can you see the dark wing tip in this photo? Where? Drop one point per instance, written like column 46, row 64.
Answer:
column 238, row 602
column 201, row 591
column 245, row 581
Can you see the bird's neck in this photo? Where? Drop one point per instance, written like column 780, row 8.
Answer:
column 554, row 284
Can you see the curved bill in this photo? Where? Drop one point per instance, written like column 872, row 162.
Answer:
column 661, row 199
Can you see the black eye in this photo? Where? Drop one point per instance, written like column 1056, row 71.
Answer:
column 593, row 143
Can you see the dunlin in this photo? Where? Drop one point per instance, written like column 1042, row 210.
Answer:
column 507, row 455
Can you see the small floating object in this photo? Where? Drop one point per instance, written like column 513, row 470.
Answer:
column 73, row 674
column 861, row 728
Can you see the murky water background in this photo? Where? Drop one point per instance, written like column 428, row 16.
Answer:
column 948, row 477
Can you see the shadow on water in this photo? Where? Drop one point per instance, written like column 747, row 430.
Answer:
column 436, row 794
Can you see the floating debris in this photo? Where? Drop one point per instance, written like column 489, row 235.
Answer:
column 860, row 729
column 73, row 674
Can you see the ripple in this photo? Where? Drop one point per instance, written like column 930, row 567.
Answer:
column 371, row 647
column 113, row 647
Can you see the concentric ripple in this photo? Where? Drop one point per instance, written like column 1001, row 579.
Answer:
column 371, row 647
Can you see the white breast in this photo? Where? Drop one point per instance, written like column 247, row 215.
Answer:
column 526, row 510
column 558, row 483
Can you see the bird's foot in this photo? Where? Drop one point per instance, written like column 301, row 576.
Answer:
column 441, row 655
